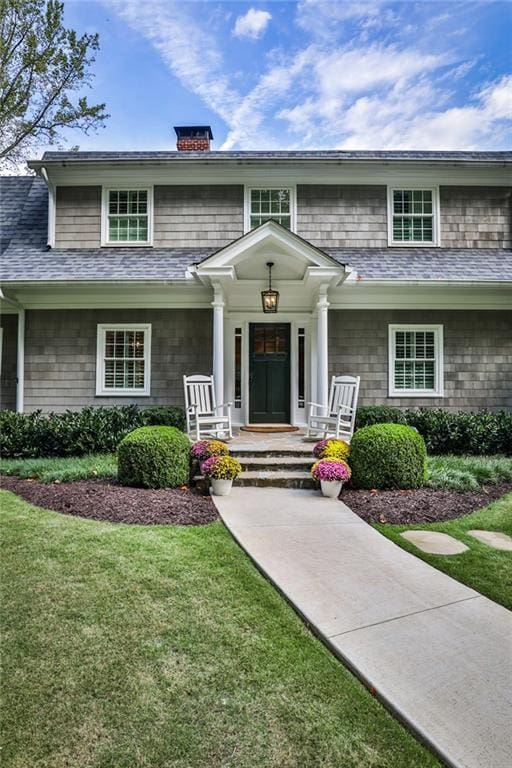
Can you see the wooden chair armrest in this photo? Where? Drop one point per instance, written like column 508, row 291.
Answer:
column 223, row 405
column 348, row 408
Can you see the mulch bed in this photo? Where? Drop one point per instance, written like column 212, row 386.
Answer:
column 108, row 501
column 423, row 505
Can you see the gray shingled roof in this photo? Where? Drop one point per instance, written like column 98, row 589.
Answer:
column 340, row 155
column 459, row 264
column 13, row 193
column 27, row 259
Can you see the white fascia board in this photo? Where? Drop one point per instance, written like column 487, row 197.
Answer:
column 267, row 234
column 364, row 296
column 283, row 174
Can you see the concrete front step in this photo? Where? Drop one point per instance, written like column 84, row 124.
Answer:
column 265, row 479
column 273, row 467
column 276, row 463
column 241, row 453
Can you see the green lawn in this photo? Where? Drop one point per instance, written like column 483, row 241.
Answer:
column 485, row 569
column 458, row 473
column 163, row 647
column 63, row 470
column 466, row 473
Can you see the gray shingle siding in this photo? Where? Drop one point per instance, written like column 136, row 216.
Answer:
column 342, row 215
column 60, row 355
column 477, row 355
column 9, row 324
column 329, row 216
column 78, row 217
column 209, row 216
column 476, row 217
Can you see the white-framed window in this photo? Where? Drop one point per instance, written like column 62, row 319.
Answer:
column 413, row 215
column 123, row 361
column 265, row 203
column 127, row 216
column 415, row 360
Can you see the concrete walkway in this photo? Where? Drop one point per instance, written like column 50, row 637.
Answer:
column 439, row 653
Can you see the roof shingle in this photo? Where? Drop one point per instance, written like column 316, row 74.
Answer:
column 339, row 155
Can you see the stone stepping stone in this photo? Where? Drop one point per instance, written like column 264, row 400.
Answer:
column 434, row 542
column 494, row 539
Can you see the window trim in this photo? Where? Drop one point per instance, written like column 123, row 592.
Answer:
column 439, row 360
column 247, row 203
column 105, row 190
column 436, row 218
column 101, row 390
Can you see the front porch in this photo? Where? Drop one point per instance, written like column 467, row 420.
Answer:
column 281, row 460
column 270, row 364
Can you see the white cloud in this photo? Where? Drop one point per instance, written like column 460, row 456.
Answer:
column 190, row 51
column 252, row 25
column 385, row 93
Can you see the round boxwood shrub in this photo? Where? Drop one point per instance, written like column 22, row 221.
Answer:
column 388, row 456
column 154, row 457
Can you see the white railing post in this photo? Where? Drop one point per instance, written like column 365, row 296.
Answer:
column 218, row 343
column 322, row 308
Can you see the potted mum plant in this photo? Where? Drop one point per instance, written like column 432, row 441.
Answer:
column 203, row 449
column 221, row 471
column 332, row 448
column 331, row 473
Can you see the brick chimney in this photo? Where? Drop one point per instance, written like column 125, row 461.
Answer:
column 193, row 138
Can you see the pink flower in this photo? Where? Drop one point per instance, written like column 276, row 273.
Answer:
column 333, row 470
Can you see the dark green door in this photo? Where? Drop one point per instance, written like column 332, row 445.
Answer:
column 269, row 373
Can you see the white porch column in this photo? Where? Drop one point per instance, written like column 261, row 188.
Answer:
column 322, row 390
column 20, row 362
column 218, row 343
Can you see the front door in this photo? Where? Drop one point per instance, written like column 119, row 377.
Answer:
column 269, row 373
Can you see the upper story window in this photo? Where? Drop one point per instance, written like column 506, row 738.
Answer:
column 415, row 360
column 413, row 216
column 127, row 216
column 265, row 203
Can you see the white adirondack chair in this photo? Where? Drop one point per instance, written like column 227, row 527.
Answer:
column 338, row 419
column 204, row 417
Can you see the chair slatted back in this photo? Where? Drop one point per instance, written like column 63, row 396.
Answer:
column 199, row 391
column 344, row 391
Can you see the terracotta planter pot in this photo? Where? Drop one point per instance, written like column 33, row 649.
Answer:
column 221, row 487
column 331, row 488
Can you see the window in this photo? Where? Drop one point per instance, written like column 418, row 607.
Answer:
column 127, row 217
column 413, row 216
column 265, row 204
column 415, row 360
column 238, row 367
column 123, row 360
column 301, row 368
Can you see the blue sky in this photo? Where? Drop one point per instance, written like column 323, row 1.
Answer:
column 302, row 75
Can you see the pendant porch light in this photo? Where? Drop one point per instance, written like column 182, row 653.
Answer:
column 270, row 298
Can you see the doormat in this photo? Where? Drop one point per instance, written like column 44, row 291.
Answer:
column 269, row 430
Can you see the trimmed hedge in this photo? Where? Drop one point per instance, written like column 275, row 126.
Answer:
column 153, row 457
column 76, row 433
column 458, row 432
column 388, row 456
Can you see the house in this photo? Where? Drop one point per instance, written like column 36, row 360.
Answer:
column 123, row 271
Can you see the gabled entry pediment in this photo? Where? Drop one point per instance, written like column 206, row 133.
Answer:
column 245, row 258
